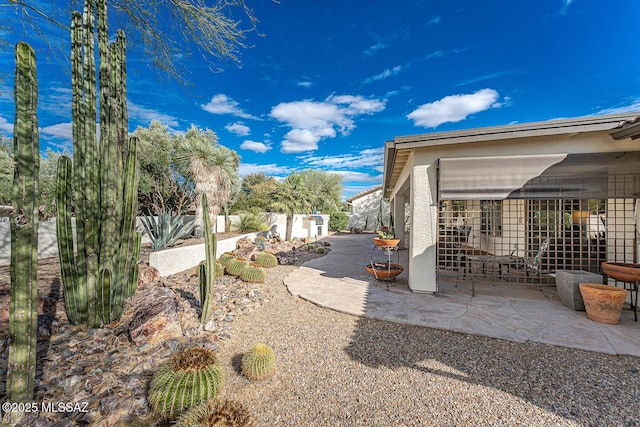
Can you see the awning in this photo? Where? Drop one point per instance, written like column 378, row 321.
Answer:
column 546, row 176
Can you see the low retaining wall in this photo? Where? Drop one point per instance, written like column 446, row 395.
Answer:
column 174, row 260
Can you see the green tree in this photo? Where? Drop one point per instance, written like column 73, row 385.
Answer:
column 325, row 188
column 255, row 192
column 6, row 170
column 212, row 167
column 162, row 187
column 291, row 196
column 210, row 31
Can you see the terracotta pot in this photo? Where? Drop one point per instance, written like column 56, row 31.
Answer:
column 384, row 271
column 603, row 302
column 624, row 272
column 386, row 242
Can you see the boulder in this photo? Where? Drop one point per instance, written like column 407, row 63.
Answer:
column 246, row 249
column 147, row 274
column 156, row 318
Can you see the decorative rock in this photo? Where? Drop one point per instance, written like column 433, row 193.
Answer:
column 157, row 319
column 147, row 274
column 246, row 249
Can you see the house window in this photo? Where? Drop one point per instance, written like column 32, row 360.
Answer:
column 491, row 218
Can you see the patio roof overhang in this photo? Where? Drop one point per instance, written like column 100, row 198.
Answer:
column 547, row 176
column 397, row 151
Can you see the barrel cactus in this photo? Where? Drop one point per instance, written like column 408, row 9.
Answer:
column 235, row 267
column 190, row 377
column 259, row 363
column 226, row 258
column 321, row 250
column 266, row 260
column 215, row 412
column 309, row 248
column 253, row 274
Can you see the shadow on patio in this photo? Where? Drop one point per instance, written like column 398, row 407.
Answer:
column 445, row 336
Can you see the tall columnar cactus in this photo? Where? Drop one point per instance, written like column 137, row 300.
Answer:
column 207, row 269
column 23, row 316
column 104, row 178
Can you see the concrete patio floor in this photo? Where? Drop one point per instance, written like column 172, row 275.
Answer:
column 339, row 281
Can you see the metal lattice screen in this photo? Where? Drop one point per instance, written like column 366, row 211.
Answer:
column 528, row 241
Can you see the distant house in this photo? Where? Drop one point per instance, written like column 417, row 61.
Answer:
column 365, row 207
column 517, row 203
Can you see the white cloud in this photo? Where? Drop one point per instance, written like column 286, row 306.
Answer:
column 454, row 108
column 269, row 169
column 238, row 128
column 305, row 84
column 57, row 101
column 388, row 72
column 375, row 48
column 258, row 147
column 565, row 6
column 368, row 158
column 6, row 127
column 434, row 20
column 312, row 121
column 351, row 176
column 630, row 108
column 147, row 115
column 222, row 104
column 60, row 131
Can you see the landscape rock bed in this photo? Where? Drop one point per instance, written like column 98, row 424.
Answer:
column 107, row 371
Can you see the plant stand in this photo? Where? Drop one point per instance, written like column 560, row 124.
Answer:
column 387, row 271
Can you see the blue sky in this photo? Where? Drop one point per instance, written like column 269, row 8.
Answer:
column 328, row 82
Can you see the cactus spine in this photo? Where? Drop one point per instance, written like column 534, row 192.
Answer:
column 266, row 260
column 259, row 363
column 253, row 274
column 216, row 412
column 192, row 376
column 104, row 177
column 23, row 317
column 207, row 269
column 235, row 266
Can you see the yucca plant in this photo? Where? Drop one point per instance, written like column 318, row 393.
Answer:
column 266, row 260
column 235, row 266
column 190, row 377
column 259, row 363
column 216, row 413
column 253, row 274
column 165, row 230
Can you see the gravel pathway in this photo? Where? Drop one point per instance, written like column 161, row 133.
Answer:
column 339, row 370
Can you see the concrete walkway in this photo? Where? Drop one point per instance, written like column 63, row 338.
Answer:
column 339, row 281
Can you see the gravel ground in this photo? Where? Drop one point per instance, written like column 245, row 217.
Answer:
column 334, row 369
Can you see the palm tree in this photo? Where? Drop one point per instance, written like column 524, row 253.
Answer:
column 291, row 196
column 212, row 167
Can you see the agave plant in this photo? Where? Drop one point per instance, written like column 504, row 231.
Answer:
column 166, row 230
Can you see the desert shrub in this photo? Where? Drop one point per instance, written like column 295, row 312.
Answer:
column 338, row 221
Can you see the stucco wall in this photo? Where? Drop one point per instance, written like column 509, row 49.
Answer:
column 364, row 211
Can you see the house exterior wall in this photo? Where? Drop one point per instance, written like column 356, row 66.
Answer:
column 421, row 171
column 364, row 211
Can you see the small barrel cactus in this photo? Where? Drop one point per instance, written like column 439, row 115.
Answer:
column 215, row 412
column 253, row 274
column 259, row 363
column 235, row 267
column 309, row 247
column 266, row 260
column 219, row 270
column 226, row 258
column 320, row 250
column 190, row 377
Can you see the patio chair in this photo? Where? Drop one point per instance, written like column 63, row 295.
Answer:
column 532, row 264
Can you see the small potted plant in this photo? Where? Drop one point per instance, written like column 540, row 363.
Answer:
column 387, row 235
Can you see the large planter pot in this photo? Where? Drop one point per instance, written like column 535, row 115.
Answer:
column 386, row 242
column 384, row 271
column 624, row 272
column 603, row 302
